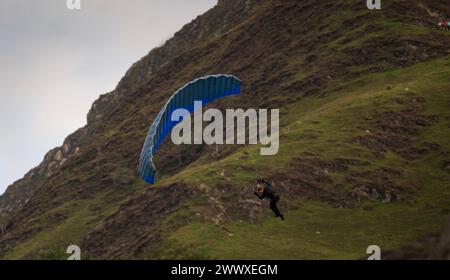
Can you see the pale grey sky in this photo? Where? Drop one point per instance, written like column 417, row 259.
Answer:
column 55, row 62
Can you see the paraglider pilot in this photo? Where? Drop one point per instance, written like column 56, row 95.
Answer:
column 264, row 191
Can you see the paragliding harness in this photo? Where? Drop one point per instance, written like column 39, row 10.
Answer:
column 271, row 195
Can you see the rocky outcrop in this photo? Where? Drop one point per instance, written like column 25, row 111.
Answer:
column 221, row 18
column 19, row 193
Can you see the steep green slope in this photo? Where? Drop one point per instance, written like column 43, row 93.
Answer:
column 364, row 156
column 316, row 230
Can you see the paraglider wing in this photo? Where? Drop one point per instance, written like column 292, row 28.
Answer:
column 205, row 89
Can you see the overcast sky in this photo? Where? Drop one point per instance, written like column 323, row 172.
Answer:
column 54, row 62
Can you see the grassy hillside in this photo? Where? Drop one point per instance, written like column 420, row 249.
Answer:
column 316, row 230
column 364, row 159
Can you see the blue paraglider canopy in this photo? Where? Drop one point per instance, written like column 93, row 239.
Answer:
column 205, row 89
